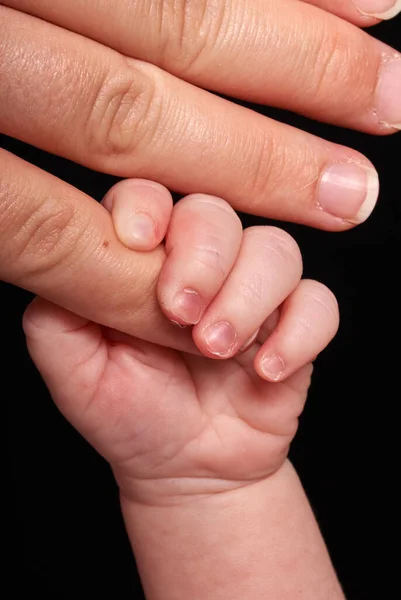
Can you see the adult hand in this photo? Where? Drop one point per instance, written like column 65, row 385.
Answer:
column 77, row 98
column 74, row 97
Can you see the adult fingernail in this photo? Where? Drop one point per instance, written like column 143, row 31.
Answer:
column 220, row 339
column 273, row 366
column 136, row 231
column 382, row 9
column 348, row 191
column 388, row 93
column 187, row 306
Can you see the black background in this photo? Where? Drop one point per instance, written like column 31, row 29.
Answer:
column 66, row 533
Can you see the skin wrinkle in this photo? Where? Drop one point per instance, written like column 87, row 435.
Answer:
column 118, row 123
column 269, row 160
column 291, row 252
column 303, row 19
column 199, row 29
column 145, row 452
column 172, row 119
column 253, row 288
column 14, row 198
column 304, row 330
column 306, row 165
column 208, row 252
column 346, row 51
column 331, row 311
column 226, row 173
column 118, row 421
column 327, row 69
column 234, row 22
column 149, row 472
column 274, row 430
column 233, row 411
column 51, row 233
column 215, row 202
column 45, row 229
column 261, row 164
column 194, row 494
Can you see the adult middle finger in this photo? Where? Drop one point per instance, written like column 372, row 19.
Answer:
column 287, row 54
column 88, row 103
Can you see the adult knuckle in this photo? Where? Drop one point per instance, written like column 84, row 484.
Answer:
column 9, row 210
column 123, row 112
column 6, row 183
column 46, row 238
column 198, row 26
column 341, row 60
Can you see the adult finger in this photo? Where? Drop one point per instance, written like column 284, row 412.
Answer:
column 287, row 54
column 130, row 119
column 363, row 13
column 60, row 244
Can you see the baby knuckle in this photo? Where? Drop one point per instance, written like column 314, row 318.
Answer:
column 283, row 245
column 210, row 259
column 322, row 295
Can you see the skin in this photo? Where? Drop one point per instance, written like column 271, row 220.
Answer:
column 126, row 386
column 56, row 242
column 210, row 256
column 185, row 433
column 111, row 98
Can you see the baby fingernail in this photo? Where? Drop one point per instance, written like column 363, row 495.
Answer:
column 220, row 339
column 187, row 306
column 382, row 9
column 273, row 366
column 348, row 191
column 388, row 93
column 136, row 230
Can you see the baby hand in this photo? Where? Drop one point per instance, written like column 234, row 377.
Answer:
column 223, row 280
column 172, row 424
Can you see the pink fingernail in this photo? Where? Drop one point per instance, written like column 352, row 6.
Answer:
column 273, row 366
column 381, row 9
column 139, row 228
column 187, row 306
column 348, row 191
column 388, row 93
column 220, row 339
